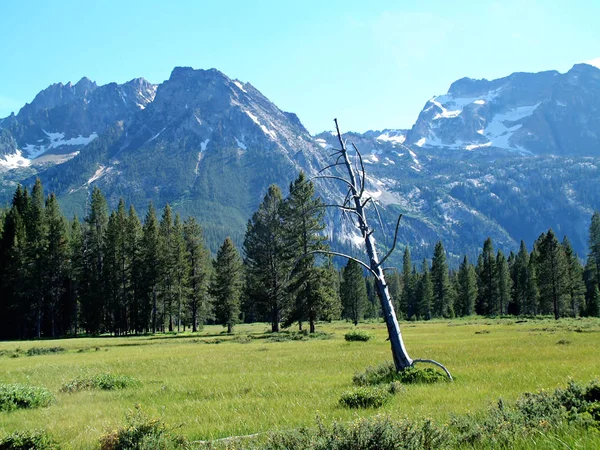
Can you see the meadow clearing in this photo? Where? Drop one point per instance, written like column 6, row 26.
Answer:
column 210, row 385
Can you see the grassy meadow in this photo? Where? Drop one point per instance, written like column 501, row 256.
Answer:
column 210, row 385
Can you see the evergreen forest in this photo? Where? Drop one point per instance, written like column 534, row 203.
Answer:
column 114, row 273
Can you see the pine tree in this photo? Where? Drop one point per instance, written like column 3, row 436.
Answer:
column 552, row 275
column 150, row 259
column 575, row 286
column 55, row 263
column 532, row 294
column 36, row 232
column 180, row 268
column 138, row 315
column 466, row 288
column 198, row 263
column 353, row 292
column 302, row 216
column 93, row 306
column 593, row 309
column 226, row 286
column 75, row 270
column 594, row 242
column 166, row 268
column 503, row 282
column 519, row 280
column 424, row 297
column 442, row 304
column 408, row 304
column 487, row 285
column 267, row 262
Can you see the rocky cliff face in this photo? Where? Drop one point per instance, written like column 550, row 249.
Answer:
column 541, row 113
column 505, row 158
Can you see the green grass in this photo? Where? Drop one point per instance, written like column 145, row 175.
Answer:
column 243, row 386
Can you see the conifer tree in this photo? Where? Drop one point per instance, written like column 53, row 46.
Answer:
column 424, row 297
column 138, row 314
column 93, row 306
column 55, row 263
column 37, row 243
column 198, row 263
column 408, row 286
column 302, row 215
column 166, row 267
column 487, row 285
column 180, row 268
column 150, row 258
column 532, row 294
column 594, row 242
column 574, row 279
column 518, row 271
column 552, row 275
column 266, row 257
column 353, row 292
column 226, row 286
column 75, row 271
column 442, row 304
column 503, row 282
column 466, row 288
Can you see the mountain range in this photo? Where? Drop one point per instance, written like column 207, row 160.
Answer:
column 506, row 158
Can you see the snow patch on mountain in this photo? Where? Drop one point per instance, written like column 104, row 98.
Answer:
column 100, row 172
column 57, row 139
column 394, row 138
column 14, row 161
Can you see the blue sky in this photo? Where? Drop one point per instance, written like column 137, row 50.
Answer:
column 371, row 65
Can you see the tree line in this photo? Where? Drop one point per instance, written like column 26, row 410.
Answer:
column 114, row 273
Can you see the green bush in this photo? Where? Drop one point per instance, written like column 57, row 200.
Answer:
column 104, row 381
column 365, row 397
column 386, row 373
column 17, row 396
column 357, row 335
column 141, row 433
column 34, row 351
column 373, row 433
column 28, row 440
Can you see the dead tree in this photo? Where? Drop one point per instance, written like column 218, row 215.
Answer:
column 355, row 204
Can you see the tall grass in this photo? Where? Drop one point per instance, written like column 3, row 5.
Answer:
column 244, row 386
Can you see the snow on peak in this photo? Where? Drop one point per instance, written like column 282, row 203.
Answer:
column 394, row 138
column 265, row 130
column 239, row 85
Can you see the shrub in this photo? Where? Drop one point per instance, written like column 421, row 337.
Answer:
column 16, row 396
column 379, row 432
column 28, row 440
column 365, row 397
column 141, row 433
column 386, row 373
column 34, row 351
column 104, row 381
column 357, row 335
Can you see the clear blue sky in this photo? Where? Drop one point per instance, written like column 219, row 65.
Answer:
column 371, row 64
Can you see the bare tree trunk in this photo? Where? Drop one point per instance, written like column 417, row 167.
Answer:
column 401, row 358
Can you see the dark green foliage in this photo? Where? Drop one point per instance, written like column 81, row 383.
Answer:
column 552, row 275
column 17, row 396
column 227, row 284
column 141, row 432
column 198, row 277
column 353, row 292
column 442, row 302
column 34, row 351
column 424, row 295
column 29, row 440
column 504, row 284
column 365, row 397
column 487, row 284
column 386, row 373
column 375, row 433
column 266, row 258
column 104, row 381
column 357, row 335
column 466, row 289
